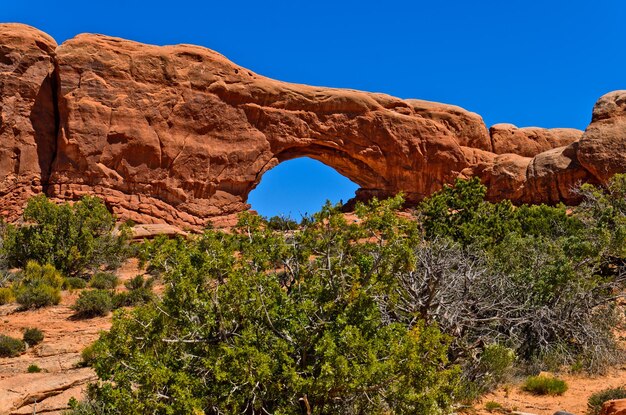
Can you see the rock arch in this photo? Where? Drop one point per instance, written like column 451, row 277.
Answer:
column 180, row 134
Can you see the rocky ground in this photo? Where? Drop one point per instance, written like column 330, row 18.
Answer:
column 58, row 355
column 65, row 337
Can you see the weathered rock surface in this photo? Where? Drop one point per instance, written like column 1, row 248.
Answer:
column 554, row 173
column 180, row 134
column 530, row 141
column 602, row 150
column 27, row 113
column 19, row 393
column 150, row 231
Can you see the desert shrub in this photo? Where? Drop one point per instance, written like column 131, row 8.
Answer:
column 104, row 281
column 87, row 407
column 93, row 303
column 36, row 274
column 74, row 238
column 6, row 295
column 603, row 211
column 263, row 320
column 38, row 286
column 139, row 292
column 10, row 346
column 282, row 223
column 459, row 212
column 237, row 330
column 33, row 336
column 545, row 279
column 74, row 283
column 494, row 366
column 33, row 369
column 139, row 282
column 88, row 355
column 132, row 298
column 545, row 385
column 594, row 404
column 37, row 296
column 493, row 406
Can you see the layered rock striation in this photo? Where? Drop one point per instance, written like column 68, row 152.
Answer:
column 180, row 134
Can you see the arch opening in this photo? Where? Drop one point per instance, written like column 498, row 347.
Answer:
column 299, row 186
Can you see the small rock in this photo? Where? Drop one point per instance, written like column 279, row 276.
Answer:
column 614, row 407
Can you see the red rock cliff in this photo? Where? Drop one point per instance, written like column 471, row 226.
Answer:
column 180, row 134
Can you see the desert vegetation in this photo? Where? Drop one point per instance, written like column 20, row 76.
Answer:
column 59, row 247
column 381, row 311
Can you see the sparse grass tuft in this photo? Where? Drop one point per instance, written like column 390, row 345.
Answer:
column 33, row 369
column 492, row 406
column 545, row 385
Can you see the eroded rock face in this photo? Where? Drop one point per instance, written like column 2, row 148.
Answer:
column 27, row 114
column 180, row 134
column 602, row 150
column 530, row 141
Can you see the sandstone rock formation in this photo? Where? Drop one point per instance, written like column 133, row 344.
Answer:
column 180, row 134
column 530, row 141
column 27, row 113
column 602, row 150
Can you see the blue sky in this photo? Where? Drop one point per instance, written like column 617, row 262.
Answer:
column 530, row 63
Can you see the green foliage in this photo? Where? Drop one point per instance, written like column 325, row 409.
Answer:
column 545, row 385
column 378, row 315
column 37, row 296
column 557, row 267
column 249, row 323
column 282, row 223
column 493, row 406
column 93, row 303
column 594, row 404
column 33, row 369
column 460, row 212
column 10, row 346
column 74, row 238
column 139, row 292
column 604, row 213
column 138, row 282
column 74, row 283
column 35, row 274
column 38, row 286
column 495, row 365
column 33, row 336
column 104, row 281
column 88, row 355
column 6, row 295
column 88, row 407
